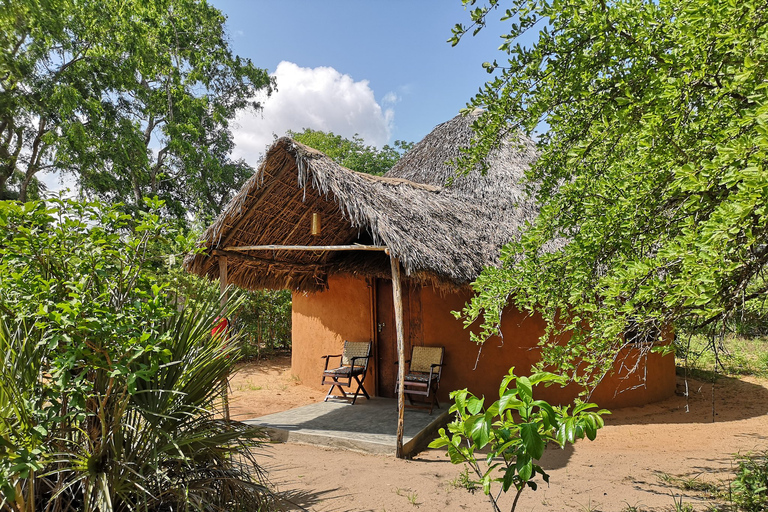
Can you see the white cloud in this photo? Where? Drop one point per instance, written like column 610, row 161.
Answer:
column 319, row 98
column 390, row 99
column 56, row 182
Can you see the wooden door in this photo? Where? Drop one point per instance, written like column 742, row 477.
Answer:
column 386, row 335
column 386, row 339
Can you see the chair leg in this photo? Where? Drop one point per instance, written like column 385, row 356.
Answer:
column 360, row 388
column 433, row 402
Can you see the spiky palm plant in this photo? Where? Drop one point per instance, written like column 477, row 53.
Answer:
column 24, row 406
column 161, row 443
column 109, row 390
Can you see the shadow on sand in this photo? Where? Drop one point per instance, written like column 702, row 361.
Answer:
column 698, row 401
column 732, row 399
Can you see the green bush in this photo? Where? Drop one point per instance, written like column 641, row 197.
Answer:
column 110, row 376
column 749, row 491
column 513, row 432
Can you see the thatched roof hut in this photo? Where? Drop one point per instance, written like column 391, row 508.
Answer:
column 443, row 233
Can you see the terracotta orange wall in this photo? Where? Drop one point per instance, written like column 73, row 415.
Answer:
column 321, row 323
column 622, row 390
column 481, row 371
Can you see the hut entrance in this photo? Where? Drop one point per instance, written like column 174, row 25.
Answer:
column 386, row 335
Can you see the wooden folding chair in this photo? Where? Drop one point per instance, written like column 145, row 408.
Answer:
column 422, row 377
column 352, row 369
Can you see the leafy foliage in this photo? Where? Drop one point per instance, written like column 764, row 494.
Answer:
column 132, row 98
column 353, row 154
column 111, row 379
column 513, row 432
column 750, row 487
column 652, row 175
column 264, row 321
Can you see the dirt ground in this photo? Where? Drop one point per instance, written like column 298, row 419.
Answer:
column 642, row 460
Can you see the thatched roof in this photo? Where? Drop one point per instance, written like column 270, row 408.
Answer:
column 442, row 235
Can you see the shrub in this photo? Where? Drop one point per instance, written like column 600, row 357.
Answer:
column 110, row 378
column 513, row 431
column 750, row 487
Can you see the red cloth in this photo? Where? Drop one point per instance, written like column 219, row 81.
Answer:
column 221, row 328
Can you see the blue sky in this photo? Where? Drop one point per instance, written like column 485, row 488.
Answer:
column 382, row 69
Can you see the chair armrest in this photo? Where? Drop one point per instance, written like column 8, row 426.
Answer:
column 360, row 357
column 433, row 373
column 328, row 358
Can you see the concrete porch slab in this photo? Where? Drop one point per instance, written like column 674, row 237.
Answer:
column 369, row 426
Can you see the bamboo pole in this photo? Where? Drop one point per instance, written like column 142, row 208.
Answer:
column 224, row 295
column 397, row 295
column 353, row 247
column 255, row 259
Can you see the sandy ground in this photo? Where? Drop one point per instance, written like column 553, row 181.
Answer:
column 641, row 460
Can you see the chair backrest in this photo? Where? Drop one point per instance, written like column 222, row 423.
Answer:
column 355, row 349
column 422, row 358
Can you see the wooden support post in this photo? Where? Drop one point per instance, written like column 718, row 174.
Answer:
column 223, row 280
column 397, row 294
column 223, row 296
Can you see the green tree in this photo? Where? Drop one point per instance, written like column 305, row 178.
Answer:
column 133, row 98
column 652, row 176
column 353, row 154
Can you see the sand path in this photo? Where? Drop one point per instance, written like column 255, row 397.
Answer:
column 639, row 459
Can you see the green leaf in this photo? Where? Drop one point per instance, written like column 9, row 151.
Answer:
column 479, row 430
column 509, row 478
column 8, row 492
column 508, row 378
column 439, row 442
column 456, row 456
column 534, row 445
column 460, row 399
column 567, row 432
column 524, row 467
column 524, row 389
column 509, row 400
column 549, row 416
column 545, row 377
column 475, row 405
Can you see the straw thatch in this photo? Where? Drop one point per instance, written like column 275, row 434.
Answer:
column 443, row 235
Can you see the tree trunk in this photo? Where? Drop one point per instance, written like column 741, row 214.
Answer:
column 34, row 160
column 9, row 157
